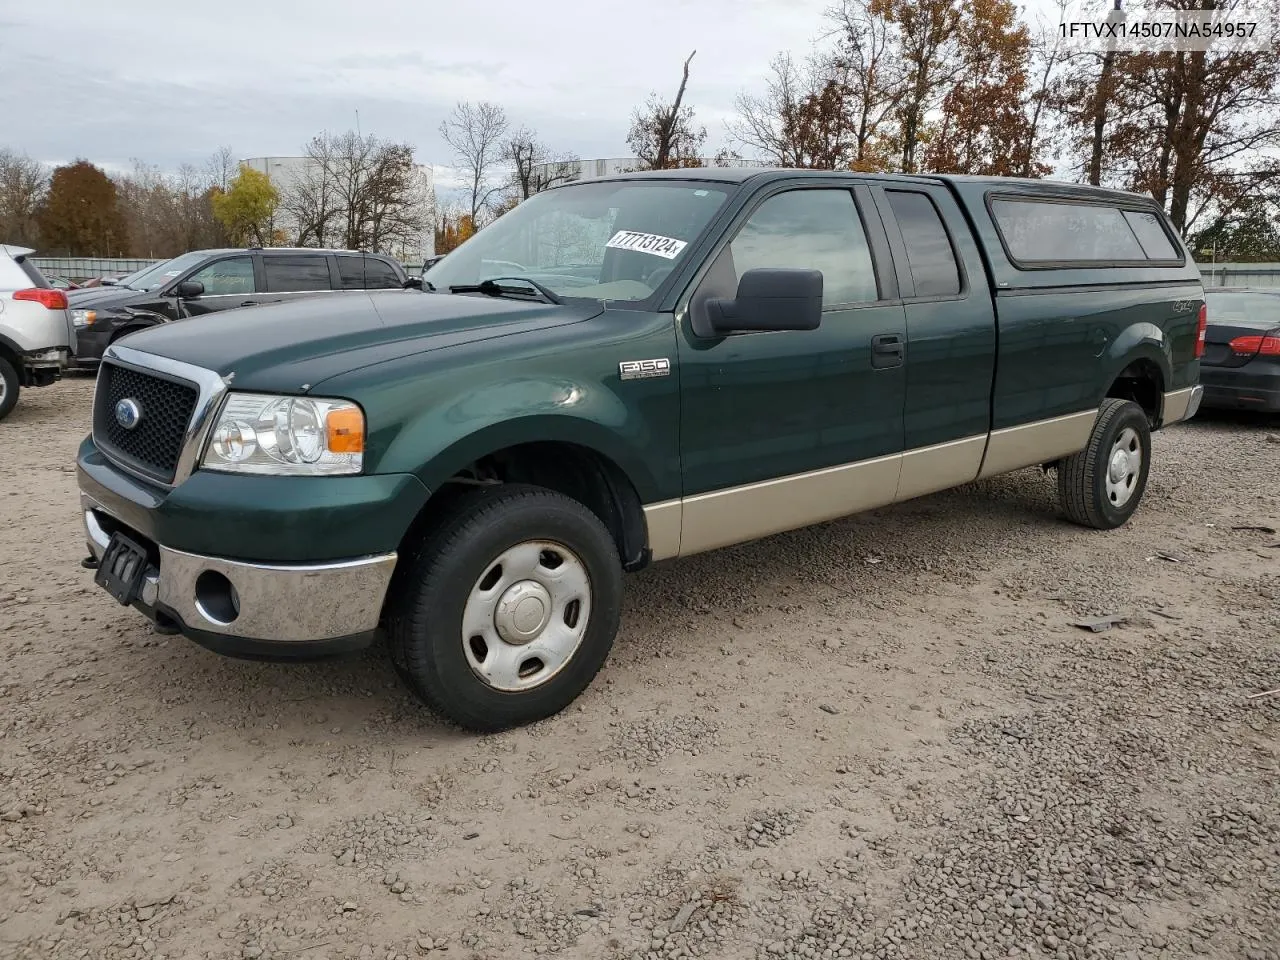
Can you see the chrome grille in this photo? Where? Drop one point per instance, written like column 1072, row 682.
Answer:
column 154, row 446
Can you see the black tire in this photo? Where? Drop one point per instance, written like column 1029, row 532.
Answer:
column 1082, row 477
column 9, row 387
column 430, row 591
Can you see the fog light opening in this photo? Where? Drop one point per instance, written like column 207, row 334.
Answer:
column 216, row 598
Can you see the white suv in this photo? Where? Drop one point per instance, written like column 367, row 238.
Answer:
column 37, row 336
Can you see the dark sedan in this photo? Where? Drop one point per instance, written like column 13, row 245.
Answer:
column 1240, row 369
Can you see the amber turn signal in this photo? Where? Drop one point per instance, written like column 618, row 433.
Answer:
column 345, row 429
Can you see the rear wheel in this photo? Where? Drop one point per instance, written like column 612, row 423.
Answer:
column 1102, row 485
column 507, row 608
column 9, row 387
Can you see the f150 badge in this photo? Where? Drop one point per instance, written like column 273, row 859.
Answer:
column 639, row 369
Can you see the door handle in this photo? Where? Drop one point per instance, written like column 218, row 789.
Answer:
column 887, row 350
column 249, row 303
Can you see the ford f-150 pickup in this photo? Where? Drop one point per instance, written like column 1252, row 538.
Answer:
column 622, row 371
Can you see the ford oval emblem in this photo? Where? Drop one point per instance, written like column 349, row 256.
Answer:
column 128, row 413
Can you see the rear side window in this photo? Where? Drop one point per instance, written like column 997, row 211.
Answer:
column 296, row 274
column 1151, row 235
column 359, row 273
column 33, row 274
column 1055, row 231
column 933, row 261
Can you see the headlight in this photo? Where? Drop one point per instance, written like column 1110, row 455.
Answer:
column 84, row 318
column 286, row 436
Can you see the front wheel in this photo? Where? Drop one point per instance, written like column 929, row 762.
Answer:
column 507, row 608
column 9, row 387
column 1101, row 485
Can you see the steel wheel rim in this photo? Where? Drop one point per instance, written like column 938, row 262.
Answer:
column 526, row 615
column 1124, row 466
column 4, row 390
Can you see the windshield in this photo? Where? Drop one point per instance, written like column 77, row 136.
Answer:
column 1227, row 307
column 158, row 274
column 610, row 241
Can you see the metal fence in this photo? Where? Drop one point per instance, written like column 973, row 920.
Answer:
column 84, row 268
column 1241, row 274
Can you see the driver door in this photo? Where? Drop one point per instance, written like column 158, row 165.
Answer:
column 228, row 283
column 787, row 428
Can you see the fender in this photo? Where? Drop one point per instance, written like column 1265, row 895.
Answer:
column 1139, row 341
column 489, row 417
column 134, row 318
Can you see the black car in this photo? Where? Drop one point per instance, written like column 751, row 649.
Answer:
column 205, row 281
column 1240, row 368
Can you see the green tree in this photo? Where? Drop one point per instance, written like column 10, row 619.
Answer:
column 81, row 214
column 247, row 210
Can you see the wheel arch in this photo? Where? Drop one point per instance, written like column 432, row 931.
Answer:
column 9, row 350
column 573, row 467
column 1139, row 368
column 136, row 321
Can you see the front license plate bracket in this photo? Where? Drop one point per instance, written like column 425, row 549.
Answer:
column 122, row 569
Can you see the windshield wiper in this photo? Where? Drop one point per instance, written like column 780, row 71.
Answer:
column 495, row 289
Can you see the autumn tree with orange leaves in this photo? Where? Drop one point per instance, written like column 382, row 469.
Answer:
column 1195, row 129
column 985, row 120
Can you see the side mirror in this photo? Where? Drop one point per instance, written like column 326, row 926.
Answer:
column 413, row 283
column 190, row 289
column 771, row 299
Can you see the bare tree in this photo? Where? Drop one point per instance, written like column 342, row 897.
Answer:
column 310, row 200
column 23, row 184
column 1049, row 57
column 872, row 74
column 393, row 204
column 168, row 214
column 359, row 192
column 765, row 122
column 221, row 168
column 663, row 134
column 476, row 133
column 533, row 166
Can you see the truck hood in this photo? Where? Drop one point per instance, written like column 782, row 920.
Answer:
column 289, row 346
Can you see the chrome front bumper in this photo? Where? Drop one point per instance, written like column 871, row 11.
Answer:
column 273, row 603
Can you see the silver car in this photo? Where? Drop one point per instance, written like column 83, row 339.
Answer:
column 37, row 337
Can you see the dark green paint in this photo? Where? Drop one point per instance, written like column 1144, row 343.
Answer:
column 263, row 519
column 446, row 379
column 434, row 415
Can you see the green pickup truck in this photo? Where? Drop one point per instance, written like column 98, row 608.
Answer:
column 620, row 371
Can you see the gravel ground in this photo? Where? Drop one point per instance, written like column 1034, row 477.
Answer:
column 879, row 738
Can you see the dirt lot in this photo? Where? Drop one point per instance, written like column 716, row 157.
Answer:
column 879, row 738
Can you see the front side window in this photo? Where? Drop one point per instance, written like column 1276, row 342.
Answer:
column 811, row 230
column 226, row 277
column 296, row 274
column 606, row 240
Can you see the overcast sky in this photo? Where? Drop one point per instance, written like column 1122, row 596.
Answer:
column 169, row 81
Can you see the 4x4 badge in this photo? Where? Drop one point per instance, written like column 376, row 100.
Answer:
column 638, row 369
